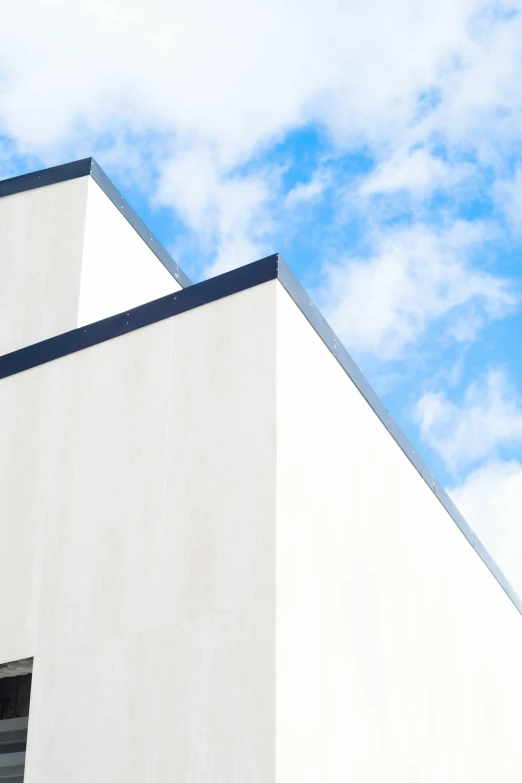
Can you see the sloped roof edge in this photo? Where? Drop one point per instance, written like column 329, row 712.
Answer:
column 84, row 168
column 266, row 269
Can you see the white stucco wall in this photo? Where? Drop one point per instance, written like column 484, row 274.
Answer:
column 68, row 258
column 137, row 508
column 398, row 655
column 41, row 249
column 208, row 598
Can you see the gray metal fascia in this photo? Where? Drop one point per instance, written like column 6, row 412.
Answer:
column 332, row 342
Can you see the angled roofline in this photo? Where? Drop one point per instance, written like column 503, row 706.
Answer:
column 270, row 268
column 87, row 167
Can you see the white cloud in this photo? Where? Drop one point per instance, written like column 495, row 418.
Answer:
column 200, row 89
column 416, row 171
column 414, row 278
column 491, row 501
column 238, row 75
column 305, row 192
column 488, row 418
column 229, row 213
column 234, row 73
column 508, row 194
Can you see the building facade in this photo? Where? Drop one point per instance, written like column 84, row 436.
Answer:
column 222, row 561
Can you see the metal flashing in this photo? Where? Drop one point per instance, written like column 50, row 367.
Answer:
column 240, row 279
column 330, row 339
column 84, row 168
column 144, row 315
column 50, row 176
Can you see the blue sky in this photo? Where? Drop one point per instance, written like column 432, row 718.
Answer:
column 376, row 146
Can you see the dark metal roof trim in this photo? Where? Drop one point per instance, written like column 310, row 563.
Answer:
column 158, row 310
column 40, row 179
column 89, row 167
column 270, row 268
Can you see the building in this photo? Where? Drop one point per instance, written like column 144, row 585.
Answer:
column 221, row 559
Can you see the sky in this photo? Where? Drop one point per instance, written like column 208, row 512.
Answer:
column 376, row 145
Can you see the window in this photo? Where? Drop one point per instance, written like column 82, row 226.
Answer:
column 15, row 692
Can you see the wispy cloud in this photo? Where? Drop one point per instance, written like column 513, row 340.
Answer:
column 413, row 278
column 416, row 171
column 201, row 96
column 507, row 193
column 491, row 500
column 229, row 213
column 306, row 192
column 487, row 418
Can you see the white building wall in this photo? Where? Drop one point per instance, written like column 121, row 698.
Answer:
column 137, row 508
column 207, row 599
column 119, row 270
column 397, row 652
column 68, row 257
column 41, row 248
